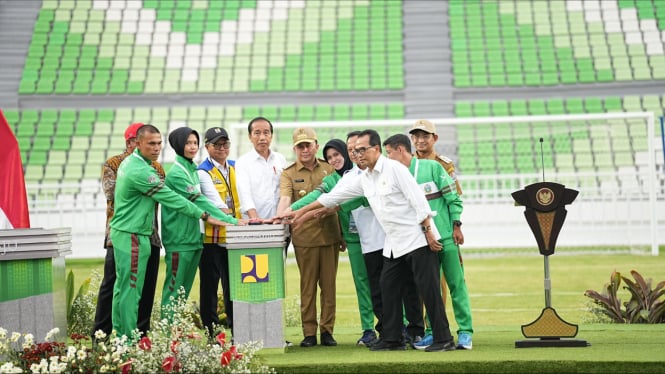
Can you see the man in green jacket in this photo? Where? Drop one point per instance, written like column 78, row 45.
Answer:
column 182, row 236
column 137, row 189
column 440, row 191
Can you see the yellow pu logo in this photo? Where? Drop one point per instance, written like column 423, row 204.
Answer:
column 254, row 268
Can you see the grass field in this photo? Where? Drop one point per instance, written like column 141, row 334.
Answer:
column 506, row 290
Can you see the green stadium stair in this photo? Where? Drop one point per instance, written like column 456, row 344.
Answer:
column 81, row 48
column 514, row 43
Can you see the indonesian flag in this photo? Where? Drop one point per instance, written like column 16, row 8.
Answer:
column 13, row 199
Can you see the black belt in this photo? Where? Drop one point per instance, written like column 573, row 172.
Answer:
column 434, row 195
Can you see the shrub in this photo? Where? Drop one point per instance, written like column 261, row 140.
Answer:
column 646, row 305
column 81, row 306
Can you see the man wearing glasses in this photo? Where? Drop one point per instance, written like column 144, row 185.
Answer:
column 218, row 183
column 411, row 245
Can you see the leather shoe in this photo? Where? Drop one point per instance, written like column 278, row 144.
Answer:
column 383, row 345
column 441, row 347
column 328, row 340
column 309, row 341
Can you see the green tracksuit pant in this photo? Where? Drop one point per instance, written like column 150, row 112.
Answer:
column 180, row 272
column 453, row 270
column 361, row 281
column 131, row 252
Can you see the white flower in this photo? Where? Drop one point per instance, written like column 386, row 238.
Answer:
column 55, row 366
column 81, row 354
column 54, row 331
column 15, row 337
column 8, row 367
column 99, row 334
column 34, row 368
column 3, row 333
column 71, row 351
column 41, row 368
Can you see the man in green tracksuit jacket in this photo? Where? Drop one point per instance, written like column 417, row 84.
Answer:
column 336, row 153
column 183, row 236
column 440, row 191
column 137, row 189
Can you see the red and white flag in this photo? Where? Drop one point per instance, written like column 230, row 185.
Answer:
column 13, row 198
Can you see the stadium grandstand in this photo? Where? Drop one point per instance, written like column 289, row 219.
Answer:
column 587, row 77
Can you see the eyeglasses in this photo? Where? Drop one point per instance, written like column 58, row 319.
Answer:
column 218, row 146
column 361, row 150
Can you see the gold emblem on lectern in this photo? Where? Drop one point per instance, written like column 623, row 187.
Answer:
column 545, row 196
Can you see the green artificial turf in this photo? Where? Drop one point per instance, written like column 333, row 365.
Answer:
column 506, row 291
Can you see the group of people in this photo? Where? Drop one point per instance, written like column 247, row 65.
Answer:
column 398, row 217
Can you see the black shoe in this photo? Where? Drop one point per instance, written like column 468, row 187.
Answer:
column 441, row 347
column 328, row 340
column 309, row 341
column 383, row 345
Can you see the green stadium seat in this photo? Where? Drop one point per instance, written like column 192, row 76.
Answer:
column 96, row 44
column 38, row 157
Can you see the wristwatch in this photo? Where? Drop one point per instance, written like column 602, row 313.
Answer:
column 426, row 228
column 205, row 216
column 457, row 223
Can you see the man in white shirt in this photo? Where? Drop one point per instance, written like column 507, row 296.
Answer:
column 411, row 245
column 258, row 172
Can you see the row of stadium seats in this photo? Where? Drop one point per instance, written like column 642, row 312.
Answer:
column 544, row 43
column 214, row 46
column 571, row 105
column 602, row 145
column 70, row 145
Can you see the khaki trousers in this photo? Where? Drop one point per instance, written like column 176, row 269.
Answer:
column 317, row 265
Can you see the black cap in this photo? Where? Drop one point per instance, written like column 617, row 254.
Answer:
column 214, row 134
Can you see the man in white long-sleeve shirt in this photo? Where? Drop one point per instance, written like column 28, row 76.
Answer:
column 258, row 172
column 411, row 240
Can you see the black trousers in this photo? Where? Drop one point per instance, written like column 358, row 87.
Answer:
column 422, row 266
column 105, row 297
column 374, row 265
column 213, row 267
column 413, row 309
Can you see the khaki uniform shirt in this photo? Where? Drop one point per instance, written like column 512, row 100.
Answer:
column 297, row 181
column 448, row 166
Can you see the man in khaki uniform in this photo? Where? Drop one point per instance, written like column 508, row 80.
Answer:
column 317, row 242
column 424, row 136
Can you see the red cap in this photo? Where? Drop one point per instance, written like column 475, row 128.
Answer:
column 132, row 129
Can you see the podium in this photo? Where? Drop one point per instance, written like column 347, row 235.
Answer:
column 545, row 213
column 32, row 280
column 256, row 277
